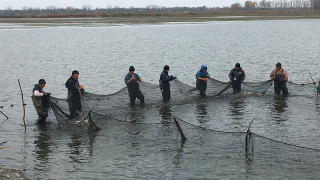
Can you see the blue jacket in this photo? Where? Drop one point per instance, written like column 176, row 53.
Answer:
column 164, row 77
column 202, row 74
column 129, row 76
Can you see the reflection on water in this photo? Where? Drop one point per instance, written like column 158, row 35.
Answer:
column 178, row 156
column 75, row 147
column 135, row 115
column 279, row 104
column 43, row 144
column 202, row 112
column 165, row 113
column 236, row 107
column 92, row 139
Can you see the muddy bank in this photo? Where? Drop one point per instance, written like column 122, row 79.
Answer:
column 12, row 174
column 102, row 21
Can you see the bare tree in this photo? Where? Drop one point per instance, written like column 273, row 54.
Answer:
column 235, row 6
column 87, row 7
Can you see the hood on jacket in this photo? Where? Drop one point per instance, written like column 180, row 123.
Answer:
column 203, row 67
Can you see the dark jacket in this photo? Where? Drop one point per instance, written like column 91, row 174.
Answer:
column 72, row 86
column 237, row 75
column 38, row 88
column 165, row 79
column 37, row 100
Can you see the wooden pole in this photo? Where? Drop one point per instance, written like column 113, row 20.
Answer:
column 4, row 114
column 24, row 109
column 313, row 82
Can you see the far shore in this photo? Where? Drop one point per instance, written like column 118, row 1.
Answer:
column 158, row 19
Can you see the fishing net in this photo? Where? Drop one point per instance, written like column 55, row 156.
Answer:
column 262, row 154
column 181, row 93
column 156, row 125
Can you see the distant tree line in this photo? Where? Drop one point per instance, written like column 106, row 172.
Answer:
column 278, row 5
column 88, row 11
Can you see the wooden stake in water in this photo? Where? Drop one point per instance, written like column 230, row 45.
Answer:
column 24, row 109
column 4, row 114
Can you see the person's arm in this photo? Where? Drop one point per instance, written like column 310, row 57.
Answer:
column 273, row 73
column 128, row 79
column 198, row 76
column 243, row 75
column 285, row 75
column 164, row 78
column 37, row 93
column 230, row 75
column 202, row 79
column 139, row 78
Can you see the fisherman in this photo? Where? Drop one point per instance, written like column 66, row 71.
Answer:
column 280, row 78
column 202, row 78
column 40, row 100
column 164, row 83
column 74, row 96
column 237, row 75
column 131, row 80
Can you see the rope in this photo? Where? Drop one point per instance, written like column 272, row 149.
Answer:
column 204, row 128
column 124, row 121
column 285, row 143
column 229, row 132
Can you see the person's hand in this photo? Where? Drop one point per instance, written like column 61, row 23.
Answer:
column 46, row 94
column 80, row 87
column 205, row 79
column 141, row 80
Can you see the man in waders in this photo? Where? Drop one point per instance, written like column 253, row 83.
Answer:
column 131, row 80
column 164, row 83
column 237, row 75
column 280, row 78
column 202, row 78
column 40, row 100
column 74, row 96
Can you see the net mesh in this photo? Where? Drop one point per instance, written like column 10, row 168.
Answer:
column 266, row 154
column 288, row 160
column 181, row 93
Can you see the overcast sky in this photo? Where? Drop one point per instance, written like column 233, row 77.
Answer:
column 18, row 4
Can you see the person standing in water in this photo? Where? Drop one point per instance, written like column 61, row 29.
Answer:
column 280, row 78
column 164, row 83
column 202, row 78
column 40, row 100
column 237, row 75
column 74, row 96
column 132, row 81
